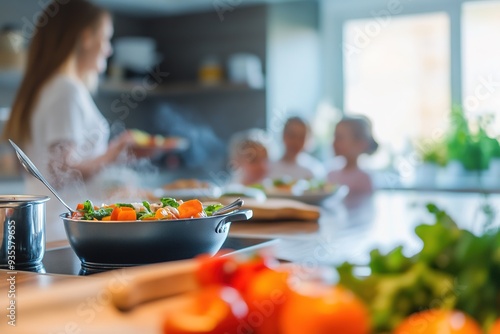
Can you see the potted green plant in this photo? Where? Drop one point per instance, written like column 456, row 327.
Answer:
column 491, row 153
column 469, row 148
column 433, row 155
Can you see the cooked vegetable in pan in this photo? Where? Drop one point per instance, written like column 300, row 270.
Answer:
column 167, row 208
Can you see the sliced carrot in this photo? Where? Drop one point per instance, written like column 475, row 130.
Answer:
column 107, row 218
column 161, row 214
column 127, row 213
column 80, row 206
column 191, row 208
column 114, row 214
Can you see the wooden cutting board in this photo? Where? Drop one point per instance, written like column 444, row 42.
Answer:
column 92, row 304
column 279, row 209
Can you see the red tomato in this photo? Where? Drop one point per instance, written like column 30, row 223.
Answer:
column 229, row 270
column 247, row 271
column 495, row 329
column 320, row 309
column 437, row 322
column 266, row 294
column 217, row 270
column 214, row 310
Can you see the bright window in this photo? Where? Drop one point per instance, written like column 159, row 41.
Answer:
column 398, row 75
column 481, row 58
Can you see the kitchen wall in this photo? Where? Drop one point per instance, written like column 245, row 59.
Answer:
column 294, row 63
column 207, row 116
column 18, row 14
column 285, row 38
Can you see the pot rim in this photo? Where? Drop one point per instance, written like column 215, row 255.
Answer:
column 36, row 199
column 65, row 217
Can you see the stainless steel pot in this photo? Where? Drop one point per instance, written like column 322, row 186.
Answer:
column 22, row 230
column 119, row 244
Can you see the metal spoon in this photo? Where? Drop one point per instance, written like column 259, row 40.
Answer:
column 31, row 168
column 230, row 207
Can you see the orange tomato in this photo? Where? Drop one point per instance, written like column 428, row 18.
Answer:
column 213, row 310
column 438, row 321
column 315, row 308
column 190, row 209
column 495, row 329
column 266, row 294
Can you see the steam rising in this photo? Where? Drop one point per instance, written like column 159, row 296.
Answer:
column 206, row 149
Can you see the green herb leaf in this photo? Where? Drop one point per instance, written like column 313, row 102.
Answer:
column 143, row 215
column 101, row 213
column 167, row 201
column 209, row 210
column 147, row 205
column 88, row 207
column 128, row 205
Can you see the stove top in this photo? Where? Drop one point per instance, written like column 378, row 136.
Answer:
column 65, row 262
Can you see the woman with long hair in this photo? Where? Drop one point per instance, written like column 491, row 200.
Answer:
column 54, row 118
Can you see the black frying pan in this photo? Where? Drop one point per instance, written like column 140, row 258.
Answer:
column 122, row 243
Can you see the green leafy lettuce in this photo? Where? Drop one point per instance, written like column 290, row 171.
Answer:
column 454, row 269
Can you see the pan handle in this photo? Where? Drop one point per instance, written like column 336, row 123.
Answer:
column 235, row 216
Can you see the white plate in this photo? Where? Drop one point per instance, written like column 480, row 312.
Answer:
column 310, row 197
column 188, row 193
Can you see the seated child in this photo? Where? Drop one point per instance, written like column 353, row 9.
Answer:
column 353, row 137
column 295, row 163
column 249, row 157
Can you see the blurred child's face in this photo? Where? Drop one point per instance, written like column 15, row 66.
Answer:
column 345, row 144
column 254, row 164
column 294, row 137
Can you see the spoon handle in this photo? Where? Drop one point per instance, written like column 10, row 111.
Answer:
column 31, row 168
column 230, row 207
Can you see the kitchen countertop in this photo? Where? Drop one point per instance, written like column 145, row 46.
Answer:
column 349, row 230
column 346, row 230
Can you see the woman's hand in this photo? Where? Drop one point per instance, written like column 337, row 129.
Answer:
column 62, row 151
column 118, row 145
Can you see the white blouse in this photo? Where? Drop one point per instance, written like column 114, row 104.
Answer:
column 64, row 112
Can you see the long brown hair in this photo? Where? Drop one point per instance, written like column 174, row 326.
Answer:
column 56, row 37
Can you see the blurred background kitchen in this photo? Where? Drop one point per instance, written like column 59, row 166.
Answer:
column 426, row 73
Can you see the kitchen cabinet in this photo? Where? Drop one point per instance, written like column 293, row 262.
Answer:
column 180, row 105
column 176, row 89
